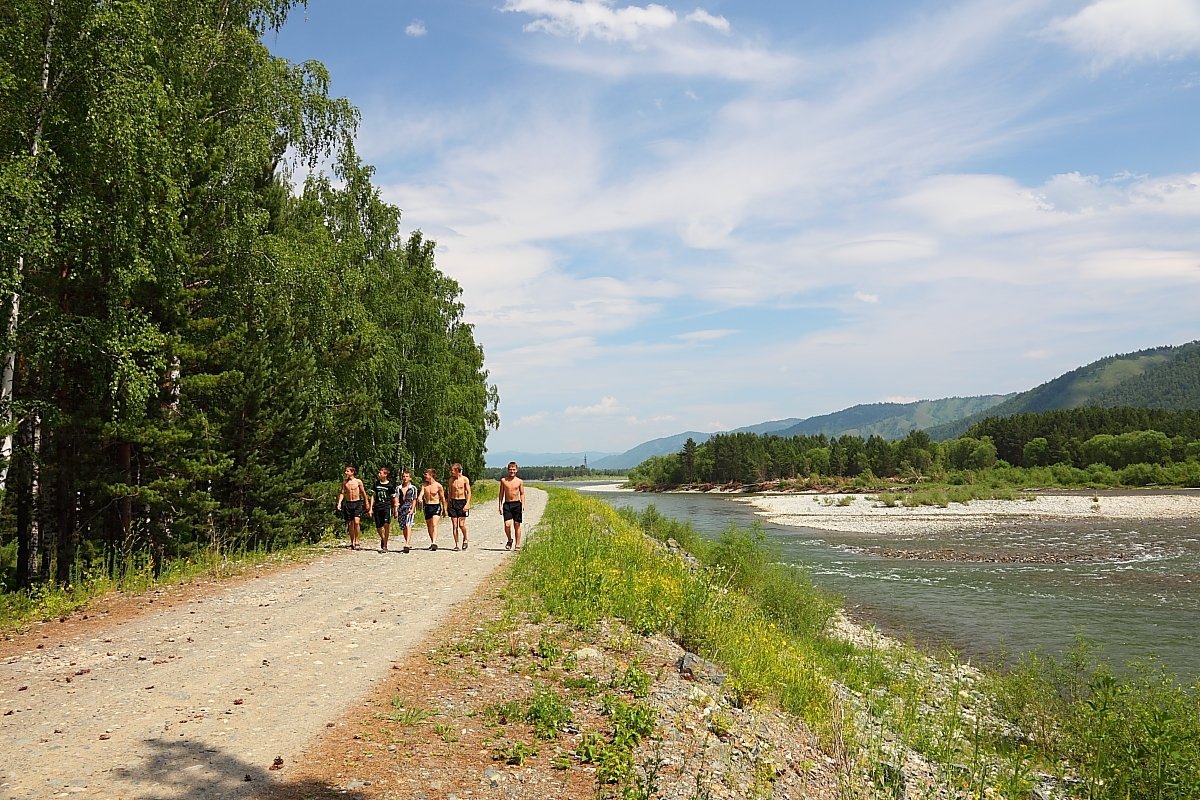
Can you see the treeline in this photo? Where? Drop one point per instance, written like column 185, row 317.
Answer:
column 194, row 345
column 1105, row 446
column 552, row 473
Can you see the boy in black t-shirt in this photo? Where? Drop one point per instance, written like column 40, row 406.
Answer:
column 383, row 506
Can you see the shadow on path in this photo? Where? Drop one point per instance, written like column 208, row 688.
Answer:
column 197, row 770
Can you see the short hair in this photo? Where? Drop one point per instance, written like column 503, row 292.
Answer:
column 352, row 468
column 385, row 470
column 512, row 463
column 456, row 466
column 430, row 471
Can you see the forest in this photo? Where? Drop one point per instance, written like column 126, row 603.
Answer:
column 196, row 338
column 1084, row 446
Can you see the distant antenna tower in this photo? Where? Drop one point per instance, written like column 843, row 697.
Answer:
column 585, row 460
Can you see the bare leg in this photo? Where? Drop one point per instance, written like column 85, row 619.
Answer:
column 431, row 527
column 406, row 529
column 384, row 531
column 353, row 529
column 508, row 534
column 517, row 540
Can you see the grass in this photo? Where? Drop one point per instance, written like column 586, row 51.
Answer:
column 1073, row 728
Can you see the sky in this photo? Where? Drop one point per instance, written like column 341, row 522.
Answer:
column 671, row 217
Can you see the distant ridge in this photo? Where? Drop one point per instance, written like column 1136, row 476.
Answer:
column 889, row 420
column 1161, row 377
column 501, row 458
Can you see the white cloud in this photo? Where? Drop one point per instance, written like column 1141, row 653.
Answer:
column 1144, row 265
column 863, row 297
column 706, row 335
column 416, row 28
column 900, row 398
column 1114, row 31
column 1036, row 355
column 656, row 420
column 704, row 18
column 531, row 419
column 606, row 407
column 581, row 19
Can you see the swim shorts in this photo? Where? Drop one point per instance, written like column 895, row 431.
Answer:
column 353, row 509
column 382, row 514
column 458, row 509
column 513, row 510
column 433, row 510
column 405, row 517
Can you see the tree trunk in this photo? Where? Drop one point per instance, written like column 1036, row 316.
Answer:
column 9, row 360
column 64, row 456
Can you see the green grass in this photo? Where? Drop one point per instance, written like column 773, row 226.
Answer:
column 1074, row 726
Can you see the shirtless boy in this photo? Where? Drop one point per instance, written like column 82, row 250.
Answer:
column 352, row 504
column 512, row 504
column 383, row 506
column 460, row 504
column 406, row 502
column 433, row 498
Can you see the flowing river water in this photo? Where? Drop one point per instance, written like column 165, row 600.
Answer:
column 1131, row 587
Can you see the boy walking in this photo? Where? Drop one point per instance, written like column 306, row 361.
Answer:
column 512, row 505
column 460, row 504
column 383, row 506
column 351, row 503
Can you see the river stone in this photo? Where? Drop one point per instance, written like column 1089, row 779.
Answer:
column 588, row 654
column 696, row 668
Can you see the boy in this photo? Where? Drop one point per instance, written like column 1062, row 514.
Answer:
column 383, row 506
column 460, row 504
column 351, row 503
column 512, row 504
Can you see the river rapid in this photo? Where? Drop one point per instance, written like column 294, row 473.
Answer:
column 1131, row 587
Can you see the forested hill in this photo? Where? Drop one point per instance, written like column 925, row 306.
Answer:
column 1161, row 377
column 197, row 345
column 892, row 420
column 888, row 420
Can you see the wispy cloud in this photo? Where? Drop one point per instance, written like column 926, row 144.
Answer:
column 1115, row 31
column 593, row 18
column 416, row 29
column 706, row 335
column 606, row 407
column 704, row 18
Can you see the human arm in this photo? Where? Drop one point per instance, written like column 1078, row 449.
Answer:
column 468, row 505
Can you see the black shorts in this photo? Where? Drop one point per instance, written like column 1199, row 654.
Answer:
column 433, row 510
column 513, row 510
column 458, row 509
column 353, row 509
column 382, row 514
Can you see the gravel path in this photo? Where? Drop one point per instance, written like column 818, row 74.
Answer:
column 201, row 699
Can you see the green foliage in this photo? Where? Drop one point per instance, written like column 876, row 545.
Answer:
column 203, row 347
column 1131, row 735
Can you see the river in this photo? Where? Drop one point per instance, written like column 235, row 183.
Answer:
column 1142, row 602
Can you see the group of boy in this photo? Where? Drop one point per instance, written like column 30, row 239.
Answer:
column 387, row 501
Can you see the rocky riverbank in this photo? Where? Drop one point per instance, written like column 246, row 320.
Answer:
column 865, row 513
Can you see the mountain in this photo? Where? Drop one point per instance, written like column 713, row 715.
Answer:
column 893, row 420
column 889, row 420
column 1161, row 377
column 654, row 447
column 500, row 459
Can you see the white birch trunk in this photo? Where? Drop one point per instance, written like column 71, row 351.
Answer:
column 8, row 364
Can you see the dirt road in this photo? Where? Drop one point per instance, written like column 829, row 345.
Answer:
column 200, row 699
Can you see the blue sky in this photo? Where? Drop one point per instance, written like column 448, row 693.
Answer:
column 671, row 217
